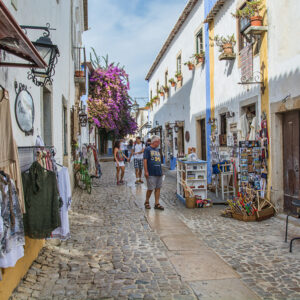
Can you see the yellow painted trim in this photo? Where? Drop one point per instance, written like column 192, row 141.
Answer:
column 265, row 99
column 212, row 67
column 12, row 276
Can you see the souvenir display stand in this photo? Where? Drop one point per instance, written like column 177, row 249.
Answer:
column 191, row 175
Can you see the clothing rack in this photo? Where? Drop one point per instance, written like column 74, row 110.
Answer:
column 27, row 155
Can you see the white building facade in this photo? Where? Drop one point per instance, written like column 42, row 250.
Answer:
column 52, row 103
column 249, row 95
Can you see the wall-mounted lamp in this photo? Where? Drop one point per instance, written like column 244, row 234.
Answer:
column 48, row 51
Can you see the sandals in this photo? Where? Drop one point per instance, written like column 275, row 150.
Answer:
column 158, row 206
column 147, row 205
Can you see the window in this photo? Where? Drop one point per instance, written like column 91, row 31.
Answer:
column 166, row 78
column 65, row 130
column 199, row 41
column 157, row 87
column 178, row 64
column 243, row 24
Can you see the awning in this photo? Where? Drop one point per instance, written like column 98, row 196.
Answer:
column 13, row 40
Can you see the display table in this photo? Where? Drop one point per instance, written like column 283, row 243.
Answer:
column 194, row 174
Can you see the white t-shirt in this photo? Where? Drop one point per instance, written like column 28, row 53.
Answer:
column 138, row 148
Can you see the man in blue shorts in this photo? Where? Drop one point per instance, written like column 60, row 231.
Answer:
column 153, row 172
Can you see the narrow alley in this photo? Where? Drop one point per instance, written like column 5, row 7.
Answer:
column 117, row 250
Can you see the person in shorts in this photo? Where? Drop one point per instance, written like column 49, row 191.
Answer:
column 137, row 152
column 119, row 157
column 153, row 172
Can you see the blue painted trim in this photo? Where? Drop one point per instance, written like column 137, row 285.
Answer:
column 208, row 5
column 180, row 198
column 193, row 162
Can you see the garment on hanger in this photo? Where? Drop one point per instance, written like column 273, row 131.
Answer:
column 91, row 162
column 11, row 225
column 42, row 202
column 9, row 160
column 64, row 187
column 253, row 129
column 243, row 127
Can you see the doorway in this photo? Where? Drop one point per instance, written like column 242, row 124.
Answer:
column 291, row 153
column 47, row 117
column 180, row 140
column 201, row 139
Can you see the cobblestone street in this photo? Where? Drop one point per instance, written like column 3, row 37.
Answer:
column 119, row 251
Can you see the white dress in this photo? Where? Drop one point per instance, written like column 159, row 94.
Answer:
column 64, row 187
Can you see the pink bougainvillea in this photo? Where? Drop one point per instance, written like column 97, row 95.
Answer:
column 109, row 103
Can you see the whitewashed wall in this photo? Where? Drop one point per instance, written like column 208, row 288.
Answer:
column 283, row 49
column 187, row 102
column 61, row 15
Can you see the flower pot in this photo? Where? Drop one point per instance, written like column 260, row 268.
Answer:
column 162, row 94
column 173, row 83
column 200, row 59
column 79, row 73
column 228, row 48
column 179, row 78
column 256, row 21
column 191, row 67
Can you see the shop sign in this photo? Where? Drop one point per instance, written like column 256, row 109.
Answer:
column 24, row 109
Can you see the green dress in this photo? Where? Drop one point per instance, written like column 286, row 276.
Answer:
column 42, row 202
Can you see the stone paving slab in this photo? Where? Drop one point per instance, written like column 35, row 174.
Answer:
column 183, row 242
column 204, row 265
column 224, row 289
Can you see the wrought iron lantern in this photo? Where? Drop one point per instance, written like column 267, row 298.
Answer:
column 49, row 52
column 176, row 128
column 83, row 118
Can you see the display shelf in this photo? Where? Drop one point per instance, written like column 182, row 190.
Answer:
column 196, row 168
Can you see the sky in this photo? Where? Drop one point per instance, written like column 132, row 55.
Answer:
column 131, row 32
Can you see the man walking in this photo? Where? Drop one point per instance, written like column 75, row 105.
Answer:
column 153, row 172
column 138, row 150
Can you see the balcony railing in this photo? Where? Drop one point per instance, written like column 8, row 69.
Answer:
column 80, row 62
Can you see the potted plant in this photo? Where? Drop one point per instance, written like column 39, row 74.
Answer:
column 155, row 98
column 225, row 44
column 251, row 12
column 161, row 91
column 199, row 57
column 172, row 81
column 148, row 104
column 190, row 65
column 166, row 88
column 178, row 75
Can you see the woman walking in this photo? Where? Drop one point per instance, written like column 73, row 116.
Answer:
column 120, row 162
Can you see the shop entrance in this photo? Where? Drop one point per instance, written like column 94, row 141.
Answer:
column 291, row 153
column 180, row 140
column 201, row 139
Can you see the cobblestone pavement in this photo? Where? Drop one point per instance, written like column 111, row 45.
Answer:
column 256, row 250
column 112, row 253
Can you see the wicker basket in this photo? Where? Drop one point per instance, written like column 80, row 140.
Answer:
column 190, row 202
column 244, row 217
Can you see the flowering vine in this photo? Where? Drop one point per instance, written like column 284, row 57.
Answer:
column 109, row 104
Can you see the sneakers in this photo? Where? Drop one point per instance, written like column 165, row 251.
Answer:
column 137, row 182
column 141, row 181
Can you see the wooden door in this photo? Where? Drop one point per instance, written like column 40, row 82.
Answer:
column 291, row 149
column 203, row 139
